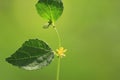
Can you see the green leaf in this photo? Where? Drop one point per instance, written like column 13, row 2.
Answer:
column 50, row 9
column 34, row 54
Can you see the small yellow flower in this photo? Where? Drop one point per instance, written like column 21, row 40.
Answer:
column 60, row 52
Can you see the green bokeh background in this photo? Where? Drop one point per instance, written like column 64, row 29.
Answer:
column 90, row 30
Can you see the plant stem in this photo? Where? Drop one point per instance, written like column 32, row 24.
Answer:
column 58, row 70
column 58, row 36
column 58, row 66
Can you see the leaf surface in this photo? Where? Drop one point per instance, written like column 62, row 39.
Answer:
column 34, row 54
column 50, row 9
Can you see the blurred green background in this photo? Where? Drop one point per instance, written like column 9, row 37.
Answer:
column 90, row 30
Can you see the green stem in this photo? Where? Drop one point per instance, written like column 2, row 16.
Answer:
column 58, row 36
column 58, row 70
column 58, row 66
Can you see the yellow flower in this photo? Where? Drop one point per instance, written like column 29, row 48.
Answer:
column 60, row 52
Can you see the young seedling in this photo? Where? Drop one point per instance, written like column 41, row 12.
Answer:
column 35, row 54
